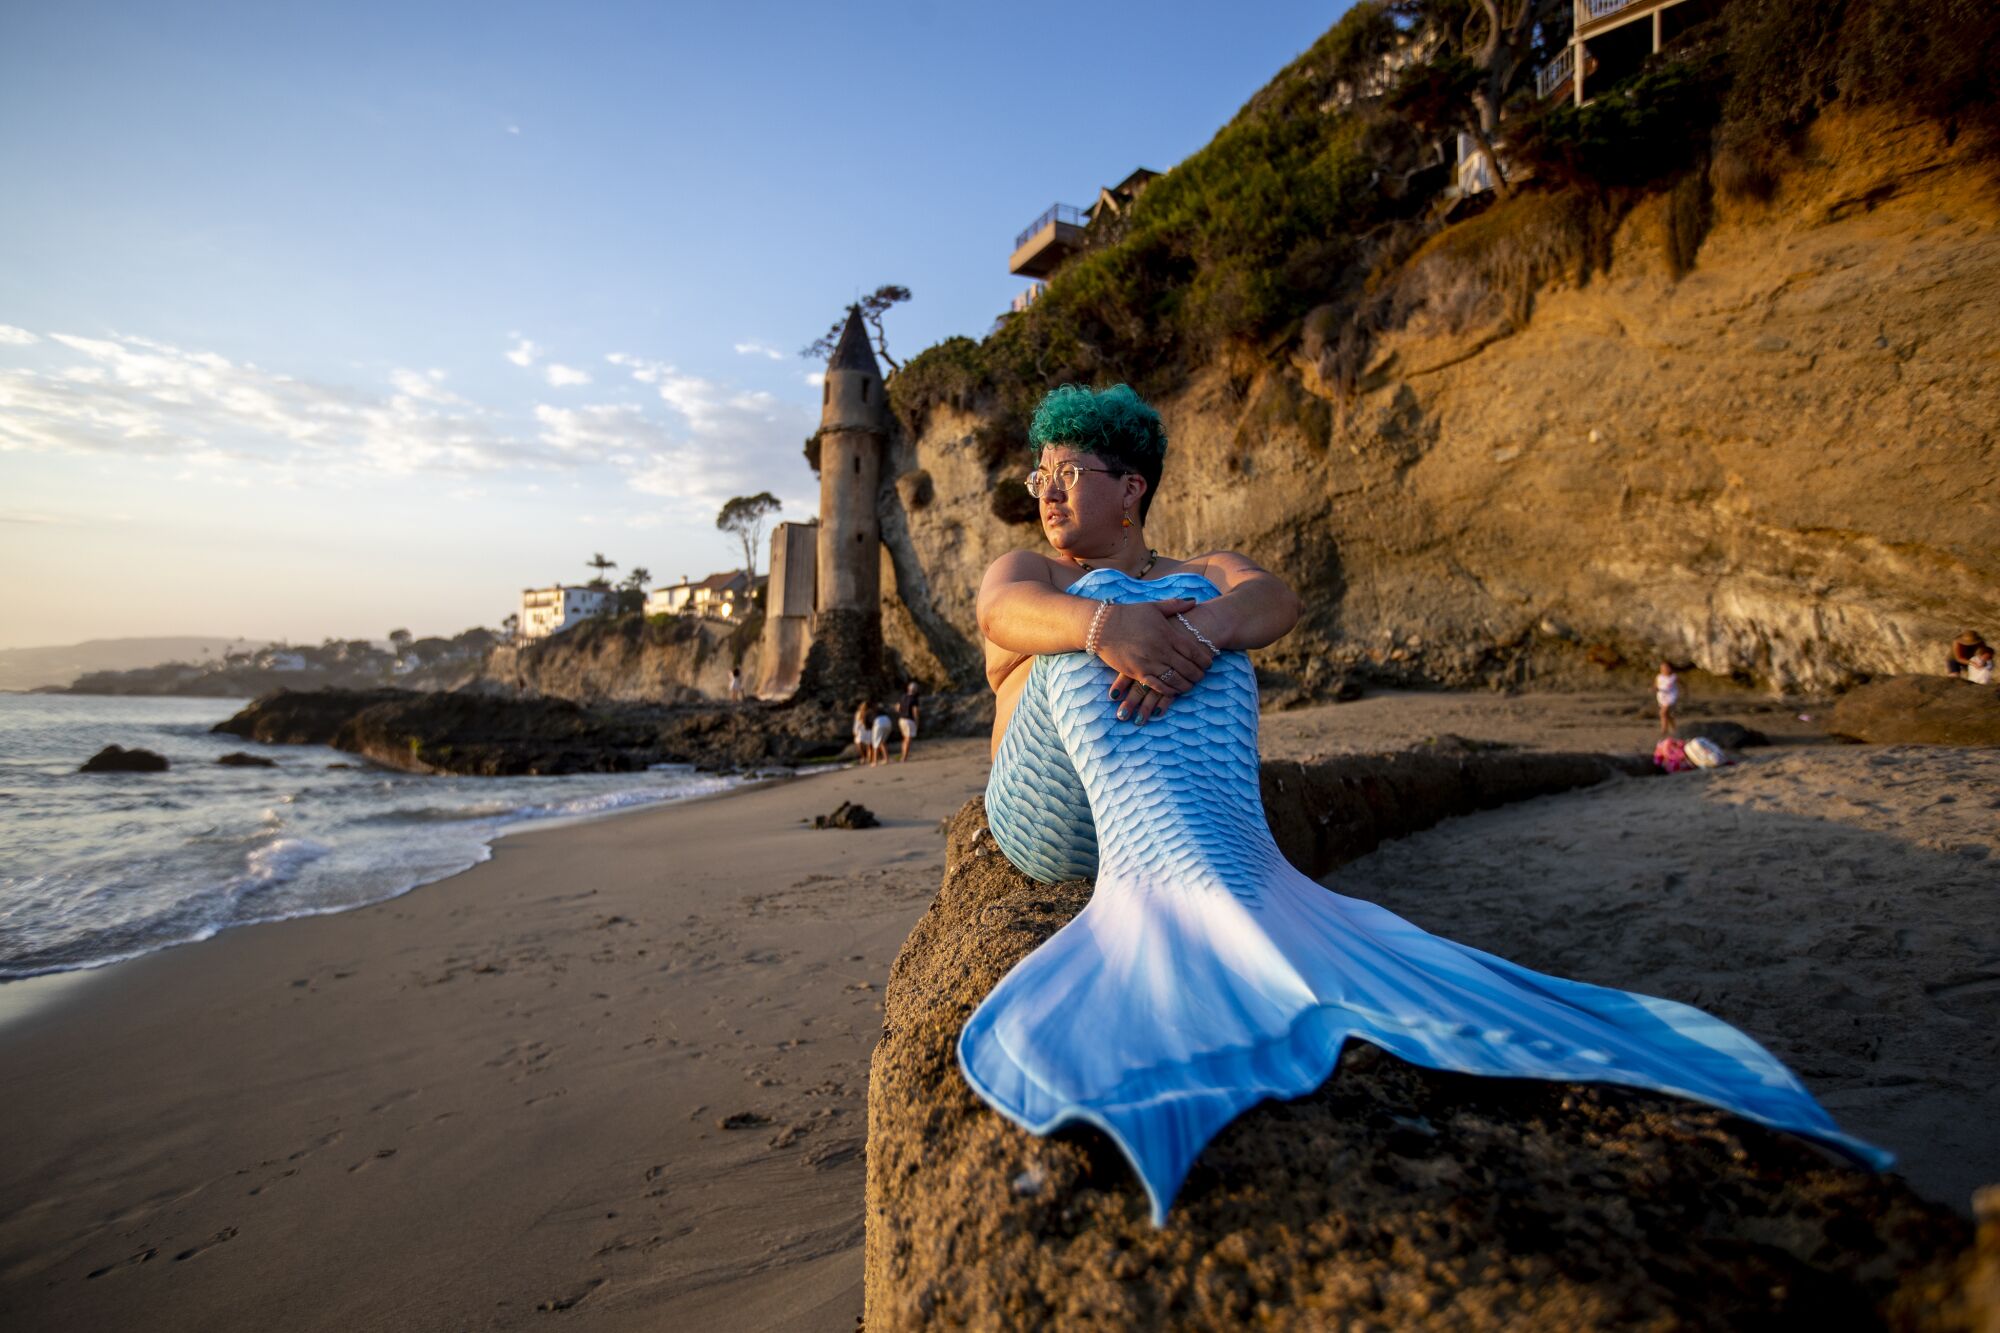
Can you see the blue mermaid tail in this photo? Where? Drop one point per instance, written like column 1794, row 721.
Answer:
column 1206, row 974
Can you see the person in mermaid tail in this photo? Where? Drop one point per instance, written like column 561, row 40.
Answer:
column 1206, row 974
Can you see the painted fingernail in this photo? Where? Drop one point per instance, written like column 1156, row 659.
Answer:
column 1117, row 694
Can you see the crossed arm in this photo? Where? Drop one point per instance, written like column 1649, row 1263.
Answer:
column 1023, row 614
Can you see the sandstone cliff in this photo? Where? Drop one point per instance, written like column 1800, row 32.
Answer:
column 1778, row 466
column 629, row 659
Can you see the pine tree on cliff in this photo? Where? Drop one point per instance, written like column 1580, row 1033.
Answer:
column 745, row 516
column 871, row 308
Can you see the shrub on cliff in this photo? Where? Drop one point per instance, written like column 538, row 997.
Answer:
column 1231, row 245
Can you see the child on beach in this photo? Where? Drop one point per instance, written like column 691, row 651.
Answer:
column 1963, row 649
column 1667, row 690
column 1980, row 669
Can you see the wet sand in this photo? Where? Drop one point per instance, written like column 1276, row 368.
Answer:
column 617, row 1073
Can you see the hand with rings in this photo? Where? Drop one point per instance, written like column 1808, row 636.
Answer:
column 1155, row 657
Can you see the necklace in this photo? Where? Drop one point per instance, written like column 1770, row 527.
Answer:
column 1152, row 558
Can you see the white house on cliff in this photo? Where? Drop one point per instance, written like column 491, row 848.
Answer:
column 546, row 611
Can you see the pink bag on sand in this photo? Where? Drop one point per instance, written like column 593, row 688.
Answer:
column 1670, row 756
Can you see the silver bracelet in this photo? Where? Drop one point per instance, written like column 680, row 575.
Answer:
column 1206, row 642
column 1096, row 624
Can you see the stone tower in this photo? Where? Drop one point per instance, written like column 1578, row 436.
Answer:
column 853, row 421
column 844, row 663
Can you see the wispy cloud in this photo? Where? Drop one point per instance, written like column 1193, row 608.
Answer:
column 525, row 351
column 203, row 417
column 138, row 397
column 16, row 337
column 513, row 129
column 755, row 348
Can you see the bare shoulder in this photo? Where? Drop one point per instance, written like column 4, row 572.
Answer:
column 1227, row 569
column 1022, row 566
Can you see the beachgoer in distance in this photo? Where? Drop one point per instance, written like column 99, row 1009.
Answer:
column 736, row 684
column 879, row 733
column 1205, row 974
column 864, row 732
column 906, row 717
column 1980, row 669
column 1667, row 693
column 1962, row 649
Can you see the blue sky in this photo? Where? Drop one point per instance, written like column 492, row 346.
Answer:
column 319, row 320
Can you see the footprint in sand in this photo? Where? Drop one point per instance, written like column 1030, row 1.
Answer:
column 130, row 1261
column 381, row 1154
column 227, row 1233
column 571, row 1302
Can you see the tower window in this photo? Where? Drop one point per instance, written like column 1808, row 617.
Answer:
column 825, row 392
column 857, row 465
column 864, row 388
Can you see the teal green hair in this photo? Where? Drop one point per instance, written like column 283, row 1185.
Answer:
column 1115, row 424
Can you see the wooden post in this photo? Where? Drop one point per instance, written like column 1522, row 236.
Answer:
column 1656, row 31
column 1576, row 70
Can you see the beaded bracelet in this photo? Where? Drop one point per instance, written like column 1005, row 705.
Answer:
column 1096, row 624
column 1206, row 642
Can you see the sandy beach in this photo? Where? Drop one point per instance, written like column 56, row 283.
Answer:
column 618, row 1072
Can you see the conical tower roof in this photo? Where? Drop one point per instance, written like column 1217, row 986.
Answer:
column 852, row 352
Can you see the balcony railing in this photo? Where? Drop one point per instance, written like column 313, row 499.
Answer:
column 1556, row 73
column 1076, row 217
column 1597, row 9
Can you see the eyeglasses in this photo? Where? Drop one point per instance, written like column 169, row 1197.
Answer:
column 1064, row 477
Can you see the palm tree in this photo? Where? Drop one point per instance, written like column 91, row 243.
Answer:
column 600, row 564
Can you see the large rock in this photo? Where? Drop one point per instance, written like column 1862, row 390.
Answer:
column 118, row 759
column 1391, row 1198
column 1729, row 735
column 1919, row 710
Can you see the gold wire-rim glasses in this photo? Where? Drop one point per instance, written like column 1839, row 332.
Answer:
column 1067, row 475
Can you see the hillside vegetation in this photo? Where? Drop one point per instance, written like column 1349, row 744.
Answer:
column 1315, row 194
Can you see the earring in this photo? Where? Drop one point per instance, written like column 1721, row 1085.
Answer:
column 1128, row 519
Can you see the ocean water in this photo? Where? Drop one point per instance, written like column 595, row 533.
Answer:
column 95, row 868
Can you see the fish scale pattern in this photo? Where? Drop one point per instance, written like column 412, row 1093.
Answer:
column 1206, row 974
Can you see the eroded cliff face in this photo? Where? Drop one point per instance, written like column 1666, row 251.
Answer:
column 681, row 660
column 1779, row 466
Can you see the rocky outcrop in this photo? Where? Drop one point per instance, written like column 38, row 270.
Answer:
column 118, row 759
column 1391, row 1198
column 238, row 759
column 1919, row 710
column 303, row 717
column 1779, row 467
column 489, row 736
